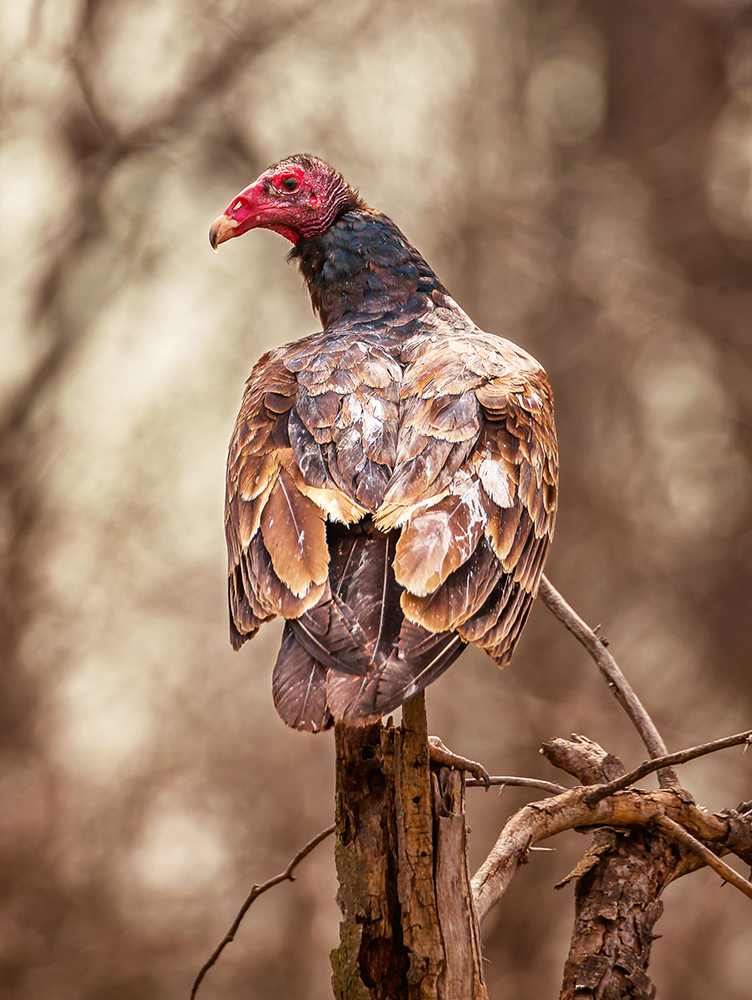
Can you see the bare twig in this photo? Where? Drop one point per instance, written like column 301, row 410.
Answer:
column 617, row 682
column 285, row 876
column 504, row 779
column 682, row 836
column 681, row 757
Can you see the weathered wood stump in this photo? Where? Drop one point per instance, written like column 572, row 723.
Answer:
column 409, row 929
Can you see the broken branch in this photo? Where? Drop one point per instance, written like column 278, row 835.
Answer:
column 505, row 779
column 683, row 837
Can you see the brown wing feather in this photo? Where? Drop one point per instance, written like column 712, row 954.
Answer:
column 266, row 588
column 389, row 524
column 437, row 540
column 464, row 592
column 473, row 564
column 294, row 535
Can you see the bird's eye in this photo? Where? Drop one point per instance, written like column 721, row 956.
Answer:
column 290, row 183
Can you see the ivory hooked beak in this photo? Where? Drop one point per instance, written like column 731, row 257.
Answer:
column 222, row 229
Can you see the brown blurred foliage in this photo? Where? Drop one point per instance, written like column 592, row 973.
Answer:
column 579, row 172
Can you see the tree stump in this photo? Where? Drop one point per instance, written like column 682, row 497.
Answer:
column 409, row 930
column 616, row 906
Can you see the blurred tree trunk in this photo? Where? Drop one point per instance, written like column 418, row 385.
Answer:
column 19, row 510
column 409, row 929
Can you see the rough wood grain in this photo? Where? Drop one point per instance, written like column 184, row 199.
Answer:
column 414, row 825
column 409, row 929
column 583, row 758
column 368, row 964
column 463, row 972
column 390, row 942
column 617, row 892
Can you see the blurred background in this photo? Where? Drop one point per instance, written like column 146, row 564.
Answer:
column 580, row 176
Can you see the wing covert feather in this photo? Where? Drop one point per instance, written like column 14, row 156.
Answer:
column 294, row 535
column 474, row 532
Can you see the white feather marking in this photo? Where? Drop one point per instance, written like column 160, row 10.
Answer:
column 496, row 483
column 373, row 420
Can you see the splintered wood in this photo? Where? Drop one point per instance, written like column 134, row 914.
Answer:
column 409, row 931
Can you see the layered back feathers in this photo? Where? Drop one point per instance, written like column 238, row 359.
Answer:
column 391, row 485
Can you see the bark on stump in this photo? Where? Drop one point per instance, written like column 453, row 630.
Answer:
column 617, row 894
column 409, row 930
column 616, row 906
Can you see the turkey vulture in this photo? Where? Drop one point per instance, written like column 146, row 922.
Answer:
column 391, row 480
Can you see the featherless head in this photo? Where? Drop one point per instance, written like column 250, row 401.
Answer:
column 301, row 196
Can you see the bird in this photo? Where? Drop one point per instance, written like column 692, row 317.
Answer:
column 391, row 479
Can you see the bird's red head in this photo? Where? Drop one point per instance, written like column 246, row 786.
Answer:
column 299, row 196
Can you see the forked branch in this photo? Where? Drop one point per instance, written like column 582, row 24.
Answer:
column 573, row 810
column 681, row 757
column 677, row 833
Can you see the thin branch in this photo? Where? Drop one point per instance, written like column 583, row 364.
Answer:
column 285, row 876
column 681, row 757
column 682, row 836
column 617, row 682
column 503, row 779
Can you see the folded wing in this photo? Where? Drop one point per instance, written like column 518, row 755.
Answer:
column 392, row 506
column 474, row 490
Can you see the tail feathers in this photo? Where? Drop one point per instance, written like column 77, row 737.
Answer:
column 307, row 694
column 355, row 656
column 420, row 658
column 360, row 700
column 332, row 634
column 299, row 686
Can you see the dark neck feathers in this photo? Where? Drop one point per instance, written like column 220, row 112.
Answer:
column 362, row 268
